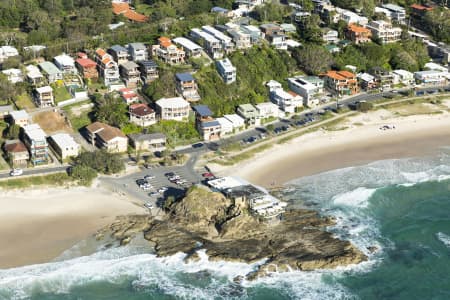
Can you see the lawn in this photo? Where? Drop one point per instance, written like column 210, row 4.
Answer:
column 80, row 120
column 57, row 179
column 61, row 94
column 24, row 102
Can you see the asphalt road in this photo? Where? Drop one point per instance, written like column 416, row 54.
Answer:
column 38, row 171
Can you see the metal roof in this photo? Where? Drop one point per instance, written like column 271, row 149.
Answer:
column 148, row 64
column 49, row 68
column 202, row 110
column 184, row 77
column 118, row 48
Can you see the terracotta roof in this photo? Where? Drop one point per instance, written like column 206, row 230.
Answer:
column 340, row 75
column 124, row 8
column 140, row 109
column 421, row 7
column 165, row 42
column 292, row 93
column 15, row 146
column 356, row 28
column 100, row 52
column 86, row 62
column 106, row 60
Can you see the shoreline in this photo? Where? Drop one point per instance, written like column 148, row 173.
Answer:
column 37, row 225
column 358, row 141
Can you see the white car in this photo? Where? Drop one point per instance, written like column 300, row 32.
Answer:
column 16, row 172
column 148, row 205
column 162, row 189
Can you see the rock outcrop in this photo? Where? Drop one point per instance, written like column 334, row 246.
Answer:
column 206, row 220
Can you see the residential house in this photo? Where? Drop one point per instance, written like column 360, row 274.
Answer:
column 186, row 86
column 43, row 96
column 383, row 77
column 330, row 36
column 226, row 70
column 419, row 11
column 341, row 82
column 288, row 28
column 225, row 41
column 435, row 67
column 87, row 68
column 173, row 109
column 237, row 121
column 141, row 114
column 226, row 126
column 130, row 74
column 350, row 17
column 64, row 145
column 241, row 39
column 308, row 87
column 13, row 75
column 358, row 34
column 208, row 127
column 432, row 77
column 254, row 32
column 396, row 13
column 35, row 140
column 212, row 45
column 267, row 110
column 65, row 63
column 287, row 102
column 403, row 77
column 367, row 81
column 7, row 52
column 128, row 95
column 16, row 153
column 153, row 142
column 384, row 31
column 137, row 51
column 108, row 68
column 34, row 75
column 274, row 35
column 168, row 52
column 273, row 85
column 249, row 113
column 119, row 54
column 190, row 48
column 149, row 71
column 123, row 8
column 107, row 137
column 20, row 117
column 51, row 72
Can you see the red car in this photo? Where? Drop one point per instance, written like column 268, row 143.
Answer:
column 208, row 175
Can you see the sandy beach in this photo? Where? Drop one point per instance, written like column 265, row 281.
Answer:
column 37, row 225
column 358, row 140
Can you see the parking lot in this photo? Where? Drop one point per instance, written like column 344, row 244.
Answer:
column 157, row 186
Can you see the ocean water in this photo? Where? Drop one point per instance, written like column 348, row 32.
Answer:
column 401, row 207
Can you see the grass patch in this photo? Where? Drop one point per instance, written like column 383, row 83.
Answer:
column 61, row 94
column 57, row 179
column 80, row 121
column 24, row 101
column 242, row 156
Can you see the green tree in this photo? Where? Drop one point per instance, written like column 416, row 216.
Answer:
column 13, row 132
column 84, row 174
column 313, row 59
column 111, row 110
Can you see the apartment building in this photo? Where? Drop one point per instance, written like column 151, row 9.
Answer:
column 129, row 71
column 358, row 34
column 341, row 82
column 87, row 68
column 250, row 114
column 166, row 51
column 35, row 140
column 137, row 51
column 43, row 96
column 119, row 54
column 241, row 39
column 142, row 115
column 287, row 102
column 384, row 31
column 108, row 68
column 226, row 70
column 308, row 87
column 64, row 145
column 149, row 71
column 190, row 48
column 212, row 45
column 208, row 127
column 186, row 87
column 226, row 41
column 396, row 13
column 173, row 109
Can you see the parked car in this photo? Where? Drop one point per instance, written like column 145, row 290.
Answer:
column 197, row 145
column 148, row 205
column 169, row 174
column 162, row 189
column 208, row 175
column 16, row 172
column 149, row 176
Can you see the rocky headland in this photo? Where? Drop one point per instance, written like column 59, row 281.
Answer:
column 207, row 220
